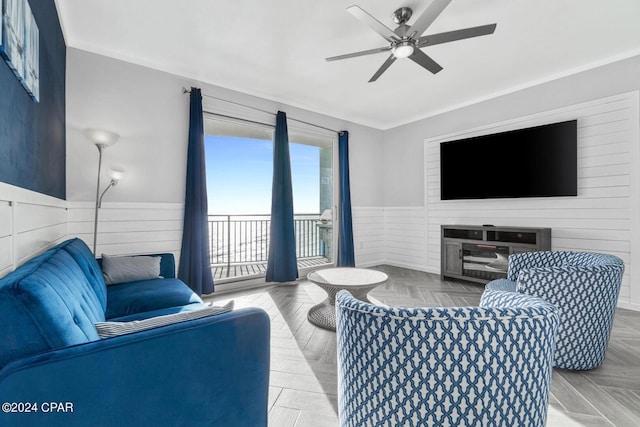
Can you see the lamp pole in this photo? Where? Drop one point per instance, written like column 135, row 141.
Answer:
column 101, row 148
column 102, row 139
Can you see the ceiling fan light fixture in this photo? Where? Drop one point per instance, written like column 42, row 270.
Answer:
column 407, row 40
column 403, row 49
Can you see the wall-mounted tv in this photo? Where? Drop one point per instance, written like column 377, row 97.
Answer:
column 540, row 161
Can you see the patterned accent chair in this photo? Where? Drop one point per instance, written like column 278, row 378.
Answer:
column 471, row 366
column 584, row 286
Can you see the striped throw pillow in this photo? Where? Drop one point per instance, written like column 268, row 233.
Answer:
column 121, row 269
column 113, row 329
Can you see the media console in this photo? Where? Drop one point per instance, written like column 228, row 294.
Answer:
column 479, row 253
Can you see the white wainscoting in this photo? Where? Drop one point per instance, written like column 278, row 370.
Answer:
column 604, row 217
column 368, row 235
column 129, row 228
column 30, row 223
column 405, row 237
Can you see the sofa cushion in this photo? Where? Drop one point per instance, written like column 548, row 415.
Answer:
column 158, row 312
column 46, row 304
column 114, row 329
column 147, row 295
column 122, row 269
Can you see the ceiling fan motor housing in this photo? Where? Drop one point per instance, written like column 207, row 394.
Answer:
column 402, row 15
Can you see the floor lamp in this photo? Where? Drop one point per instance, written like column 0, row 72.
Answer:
column 102, row 139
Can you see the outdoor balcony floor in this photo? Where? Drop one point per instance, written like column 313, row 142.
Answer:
column 243, row 270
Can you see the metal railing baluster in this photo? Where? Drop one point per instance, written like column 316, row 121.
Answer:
column 238, row 240
column 228, row 244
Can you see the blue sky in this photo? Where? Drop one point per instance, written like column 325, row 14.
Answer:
column 239, row 175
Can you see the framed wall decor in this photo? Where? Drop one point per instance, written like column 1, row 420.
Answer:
column 13, row 19
column 20, row 44
column 31, row 80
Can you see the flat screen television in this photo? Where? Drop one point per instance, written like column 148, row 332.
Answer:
column 540, row 161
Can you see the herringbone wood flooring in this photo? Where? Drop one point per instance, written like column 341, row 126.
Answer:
column 303, row 383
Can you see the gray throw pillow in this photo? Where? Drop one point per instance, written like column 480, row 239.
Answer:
column 113, row 329
column 121, row 269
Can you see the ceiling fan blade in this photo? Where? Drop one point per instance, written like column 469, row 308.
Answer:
column 361, row 53
column 372, row 22
column 422, row 59
column 390, row 60
column 450, row 36
column 428, row 16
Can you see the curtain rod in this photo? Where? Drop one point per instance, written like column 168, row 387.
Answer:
column 185, row 90
column 271, row 125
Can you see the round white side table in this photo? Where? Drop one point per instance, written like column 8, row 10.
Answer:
column 358, row 281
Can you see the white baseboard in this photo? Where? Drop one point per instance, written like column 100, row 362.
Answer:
column 370, row 264
column 629, row 306
column 411, row 266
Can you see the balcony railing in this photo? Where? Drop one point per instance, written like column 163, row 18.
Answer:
column 244, row 239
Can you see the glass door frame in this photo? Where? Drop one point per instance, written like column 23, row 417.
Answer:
column 335, row 220
column 304, row 131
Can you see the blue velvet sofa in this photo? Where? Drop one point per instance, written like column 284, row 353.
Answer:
column 56, row 371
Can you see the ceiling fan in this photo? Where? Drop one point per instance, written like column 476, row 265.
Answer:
column 406, row 41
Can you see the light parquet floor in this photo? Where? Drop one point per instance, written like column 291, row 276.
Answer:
column 303, row 377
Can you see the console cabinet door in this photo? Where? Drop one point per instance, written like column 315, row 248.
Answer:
column 452, row 258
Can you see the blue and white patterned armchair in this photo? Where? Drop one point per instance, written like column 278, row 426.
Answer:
column 584, row 286
column 471, row 366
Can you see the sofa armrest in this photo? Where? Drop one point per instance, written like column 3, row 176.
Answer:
column 167, row 266
column 210, row 371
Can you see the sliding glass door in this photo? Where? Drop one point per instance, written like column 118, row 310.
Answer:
column 312, row 176
column 239, row 158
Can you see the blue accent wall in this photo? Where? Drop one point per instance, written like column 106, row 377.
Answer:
column 32, row 135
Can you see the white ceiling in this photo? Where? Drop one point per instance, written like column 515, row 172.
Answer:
column 276, row 49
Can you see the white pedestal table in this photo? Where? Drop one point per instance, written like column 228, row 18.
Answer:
column 358, row 281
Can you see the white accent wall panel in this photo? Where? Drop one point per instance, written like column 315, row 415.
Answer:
column 129, row 228
column 368, row 235
column 405, row 237
column 604, row 217
column 6, row 237
column 30, row 223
